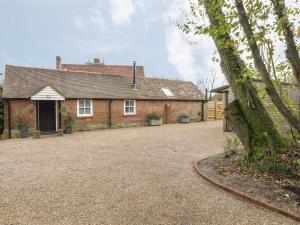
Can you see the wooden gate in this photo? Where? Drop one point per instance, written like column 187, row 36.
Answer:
column 215, row 110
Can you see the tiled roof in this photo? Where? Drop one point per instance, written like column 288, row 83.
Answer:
column 106, row 69
column 24, row 82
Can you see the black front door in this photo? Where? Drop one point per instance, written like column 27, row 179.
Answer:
column 47, row 117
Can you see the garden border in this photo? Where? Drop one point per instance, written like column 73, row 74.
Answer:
column 245, row 196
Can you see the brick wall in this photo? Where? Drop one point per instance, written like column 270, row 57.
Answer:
column 26, row 110
column 23, row 110
column 20, row 110
column 100, row 118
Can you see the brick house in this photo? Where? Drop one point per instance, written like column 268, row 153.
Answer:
column 96, row 100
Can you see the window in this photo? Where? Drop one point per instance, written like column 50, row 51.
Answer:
column 84, row 108
column 167, row 92
column 129, row 107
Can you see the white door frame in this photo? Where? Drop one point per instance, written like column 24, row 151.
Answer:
column 56, row 114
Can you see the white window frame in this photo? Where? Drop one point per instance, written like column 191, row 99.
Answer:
column 134, row 108
column 85, row 114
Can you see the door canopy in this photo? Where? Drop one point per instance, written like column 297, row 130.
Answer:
column 48, row 94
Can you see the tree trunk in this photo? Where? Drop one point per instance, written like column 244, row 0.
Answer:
column 261, row 67
column 252, row 112
column 291, row 52
column 238, row 124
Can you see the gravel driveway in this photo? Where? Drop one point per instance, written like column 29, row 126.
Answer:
column 131, row 176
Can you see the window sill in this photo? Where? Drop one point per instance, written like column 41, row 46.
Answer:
column 83, row 117
column 129, row 115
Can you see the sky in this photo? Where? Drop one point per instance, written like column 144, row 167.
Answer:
column 33, row 32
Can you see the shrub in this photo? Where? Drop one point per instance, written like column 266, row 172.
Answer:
column 23, row 124
column 153, row 116
column 274, row 167
column 69, row 119
column 184, row 116
column 231, row 147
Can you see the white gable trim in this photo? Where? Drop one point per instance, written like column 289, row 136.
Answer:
column 48, row 94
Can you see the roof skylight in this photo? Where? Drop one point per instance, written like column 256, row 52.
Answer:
column 167, row 92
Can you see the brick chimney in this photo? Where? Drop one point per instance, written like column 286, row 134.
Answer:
column 96, row 61
column 58, row 62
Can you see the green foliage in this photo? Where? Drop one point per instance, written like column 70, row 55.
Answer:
column 1, row 111
column 232, row 146
column 23, row 124
column 153, row 116
column 183, row 116
column 273, row 167
column 69, row 120
column 225, row 29
column 267, row 31
column 68, row 117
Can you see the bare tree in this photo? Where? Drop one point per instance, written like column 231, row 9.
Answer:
column 208, row 83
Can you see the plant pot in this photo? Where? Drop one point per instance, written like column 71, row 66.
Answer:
column 24, row 133
column 68, row 130
column 155, row 122
column 184, row 120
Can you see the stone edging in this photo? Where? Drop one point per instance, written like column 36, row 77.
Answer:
column 245, row 196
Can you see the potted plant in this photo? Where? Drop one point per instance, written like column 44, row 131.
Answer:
column 69, row 122
column 23, row 128
column 154, row 119
column 184, row 118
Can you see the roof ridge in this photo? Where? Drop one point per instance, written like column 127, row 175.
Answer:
column 66, row 71
column 95, row 73
column 98, row 64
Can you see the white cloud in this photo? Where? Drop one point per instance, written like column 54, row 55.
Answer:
column 192, row 62
column 96, row 16
column 91, row 47
column 78, row 23
column 122, row 10
column 181, row 55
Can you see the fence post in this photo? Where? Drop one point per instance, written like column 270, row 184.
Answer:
column 216, row 109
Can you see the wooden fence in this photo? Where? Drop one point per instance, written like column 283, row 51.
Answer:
column 215, row 110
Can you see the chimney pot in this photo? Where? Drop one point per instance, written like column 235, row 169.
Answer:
column 96, row 61
column 58, row 62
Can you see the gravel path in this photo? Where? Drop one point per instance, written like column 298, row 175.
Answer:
column 131, row 176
